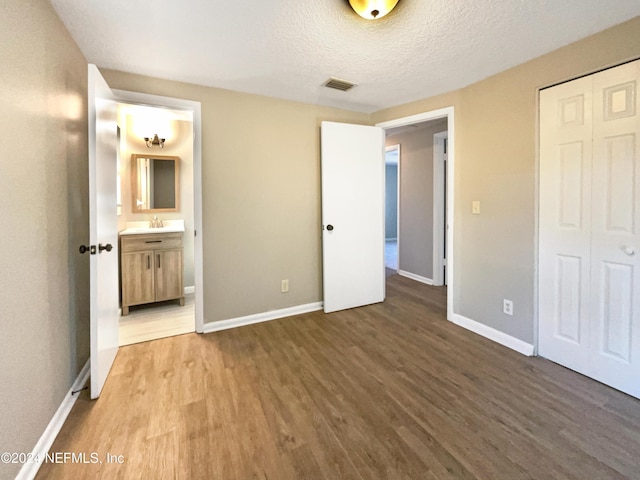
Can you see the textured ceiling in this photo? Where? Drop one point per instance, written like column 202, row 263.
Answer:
column 288, row 48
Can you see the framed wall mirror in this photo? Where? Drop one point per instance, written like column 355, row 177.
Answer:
column 155, row 183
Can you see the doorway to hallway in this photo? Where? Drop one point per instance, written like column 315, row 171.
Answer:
column 392, row 205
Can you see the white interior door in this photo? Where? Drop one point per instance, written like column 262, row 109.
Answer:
column 352, row 215
column 615, row 228
column 590, row 226
column 565, row 223
column 103, row 228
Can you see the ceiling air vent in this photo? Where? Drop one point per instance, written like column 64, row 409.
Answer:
column 338, row 84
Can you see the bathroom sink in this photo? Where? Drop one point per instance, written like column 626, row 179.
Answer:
column 143, row 228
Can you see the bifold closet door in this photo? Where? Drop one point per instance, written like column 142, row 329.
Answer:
column 589, row 263
column 615, row 229
column 565, row 223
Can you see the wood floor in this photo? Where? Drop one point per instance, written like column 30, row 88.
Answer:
column 387, row 391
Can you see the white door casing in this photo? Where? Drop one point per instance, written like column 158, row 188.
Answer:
column 103, row 229
column 439, row 207
column 352, row 215
column 589, row 226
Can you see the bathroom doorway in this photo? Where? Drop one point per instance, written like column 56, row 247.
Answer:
column 136, row 120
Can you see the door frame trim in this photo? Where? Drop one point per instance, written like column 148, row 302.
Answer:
column 438, row 207
column 195, row 107
column 449, row 114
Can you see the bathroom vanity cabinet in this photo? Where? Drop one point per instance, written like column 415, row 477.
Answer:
column 151, row 267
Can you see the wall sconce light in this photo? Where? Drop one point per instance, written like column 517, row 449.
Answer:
column 372, row 9
column 154, row 141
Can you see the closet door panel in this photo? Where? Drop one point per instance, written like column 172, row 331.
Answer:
column 564, row 226
column 615, row 236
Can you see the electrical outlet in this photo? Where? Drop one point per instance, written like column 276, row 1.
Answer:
column 284, row 287
column 507, row 307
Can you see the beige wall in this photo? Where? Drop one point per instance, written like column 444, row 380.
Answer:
column 179, row 144
column 261, row 195
column 44, row 211
column 495, row 128
column 416, row 197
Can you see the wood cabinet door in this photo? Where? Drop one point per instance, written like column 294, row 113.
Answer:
column 168, row 264
column 138, row 278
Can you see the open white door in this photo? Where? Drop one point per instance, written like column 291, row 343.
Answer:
column 103, row 228
column 352, row 215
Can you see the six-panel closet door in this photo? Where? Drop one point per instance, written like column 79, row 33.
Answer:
column 589, row 226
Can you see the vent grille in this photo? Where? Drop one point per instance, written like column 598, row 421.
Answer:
column 338, row 84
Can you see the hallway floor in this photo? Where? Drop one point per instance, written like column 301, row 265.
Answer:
column 391, row 254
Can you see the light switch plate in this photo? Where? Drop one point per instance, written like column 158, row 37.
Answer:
column 475, row 207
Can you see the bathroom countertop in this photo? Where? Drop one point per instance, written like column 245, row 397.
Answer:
column 143, row 228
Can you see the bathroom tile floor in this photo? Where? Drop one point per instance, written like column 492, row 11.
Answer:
column 157, row 320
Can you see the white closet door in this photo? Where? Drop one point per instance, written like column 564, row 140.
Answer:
column 589, row 257
column 615, row 229
column 565, row 223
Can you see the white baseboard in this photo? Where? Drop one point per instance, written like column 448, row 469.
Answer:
column 417, row 278
column 261, row 317
column 188, row 290
column 493, row 334
column 29, row 470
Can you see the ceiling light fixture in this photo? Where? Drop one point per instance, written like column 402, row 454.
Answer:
column 155, row 141
column 372, row 9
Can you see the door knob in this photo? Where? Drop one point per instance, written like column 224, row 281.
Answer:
column 329, row 227
column 108, row 247
column 88, row 248
column 629, row 251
